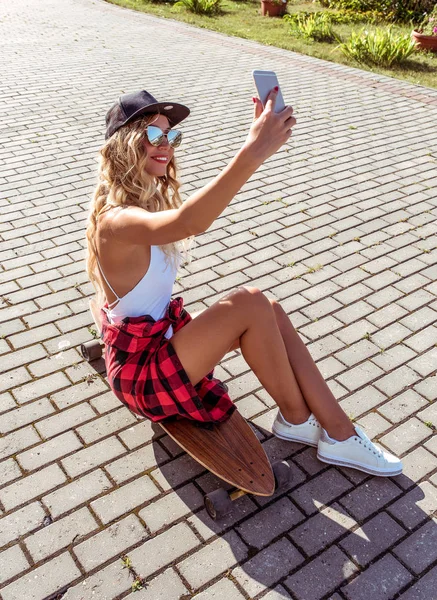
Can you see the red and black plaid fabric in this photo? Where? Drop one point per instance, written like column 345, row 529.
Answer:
column 145, row 373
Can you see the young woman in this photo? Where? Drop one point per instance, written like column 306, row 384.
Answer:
column 159, row 359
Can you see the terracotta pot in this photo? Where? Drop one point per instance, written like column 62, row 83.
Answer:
column 425, row 42
column 272, row 9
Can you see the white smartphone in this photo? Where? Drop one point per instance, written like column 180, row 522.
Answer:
column 265, row 81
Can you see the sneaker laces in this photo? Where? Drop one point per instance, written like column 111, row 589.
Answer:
column 313, row 421
column 367, row 442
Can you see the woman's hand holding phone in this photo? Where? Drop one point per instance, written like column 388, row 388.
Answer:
column 269, row 130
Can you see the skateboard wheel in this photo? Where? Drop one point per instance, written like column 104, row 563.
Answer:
column 218, row 504
column 91, row 350
column 282, row 473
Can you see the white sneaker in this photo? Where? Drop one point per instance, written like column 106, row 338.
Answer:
column 305, row 433
column 358, row 452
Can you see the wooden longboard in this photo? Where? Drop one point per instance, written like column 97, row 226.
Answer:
column 230, row 450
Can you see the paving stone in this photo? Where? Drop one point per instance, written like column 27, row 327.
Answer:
column 390, row 359
column 106, row 425
column 419, row 319
column 76, row 393
column 31, row 486
column 415, row 506
column 12, row 562
column 382, row 580
column 321, row 490
column 357, row 352
column 176, row 472
column 141, row 433
column 431, row 444
column 419, row 550
column 426, row 363
column 402, row 406
column 76, row 493
column 321, row 530
column 278, row 593
column 42, row 387
column 106, row 583
column 105, row 402
column 266, row 568
column 49, row 451
column 124, row 499
column 362, row 401
column 222, row 589
column 397, row 381
column 406, row 436
column 44, row 580
column 9, row 470
column 370, row 497
column 423, row 339
column 309, row 462
column 416, row 465
column 373, row 538
column 60, row 534
column 360, row 375
column 20, row 522
column 427, row 388
column 30, row 413
column 390, row 335
column 423, row 589
column 64, row 420
column 116, row 539
column 12, row 360
column 207, row 528
column 321, row 576
column 171, row 507
column 429, row 416
column 92, row 456
column 165, row 586
column 373, row 425
column 139, row 461
column 263, row 527
column 163, row 549
column 213, row 559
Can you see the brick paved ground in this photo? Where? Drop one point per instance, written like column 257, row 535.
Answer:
column 340, row 226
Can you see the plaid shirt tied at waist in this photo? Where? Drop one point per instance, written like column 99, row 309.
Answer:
column 146, row 374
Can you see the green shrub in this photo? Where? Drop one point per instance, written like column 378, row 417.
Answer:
column 201, row 7
column 394, row 10
column 381, row 47
column 315, row 26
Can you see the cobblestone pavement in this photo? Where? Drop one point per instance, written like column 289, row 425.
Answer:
column 340, row 227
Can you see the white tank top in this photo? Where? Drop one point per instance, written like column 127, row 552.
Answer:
column 151, row 295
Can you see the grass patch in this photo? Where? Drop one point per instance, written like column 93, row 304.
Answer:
column 243, row 19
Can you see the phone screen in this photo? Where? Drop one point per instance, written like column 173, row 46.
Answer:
column 265, row 81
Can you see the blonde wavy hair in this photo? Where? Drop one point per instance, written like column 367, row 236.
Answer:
column 123, row 181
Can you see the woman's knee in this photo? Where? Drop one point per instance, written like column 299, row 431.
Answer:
column 281, row 316
column 250, row 297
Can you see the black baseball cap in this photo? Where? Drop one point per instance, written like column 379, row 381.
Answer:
column 133, row 106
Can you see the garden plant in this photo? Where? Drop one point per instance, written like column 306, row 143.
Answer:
column 372, row 34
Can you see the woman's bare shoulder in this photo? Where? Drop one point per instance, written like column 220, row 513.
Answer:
column 116, row 218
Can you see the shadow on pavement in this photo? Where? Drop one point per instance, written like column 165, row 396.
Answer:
column 317, row 536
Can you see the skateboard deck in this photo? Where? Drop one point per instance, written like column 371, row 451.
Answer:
column 230, row 450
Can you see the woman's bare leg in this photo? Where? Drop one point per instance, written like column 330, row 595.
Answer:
column 247, row 315
column 314, row 388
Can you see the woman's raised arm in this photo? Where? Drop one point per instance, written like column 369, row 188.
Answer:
column 268, row 132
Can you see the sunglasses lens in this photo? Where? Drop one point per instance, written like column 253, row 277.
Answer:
column 154, row 135
column 174, row 138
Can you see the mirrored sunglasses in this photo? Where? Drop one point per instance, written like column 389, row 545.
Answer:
column 156, row 136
